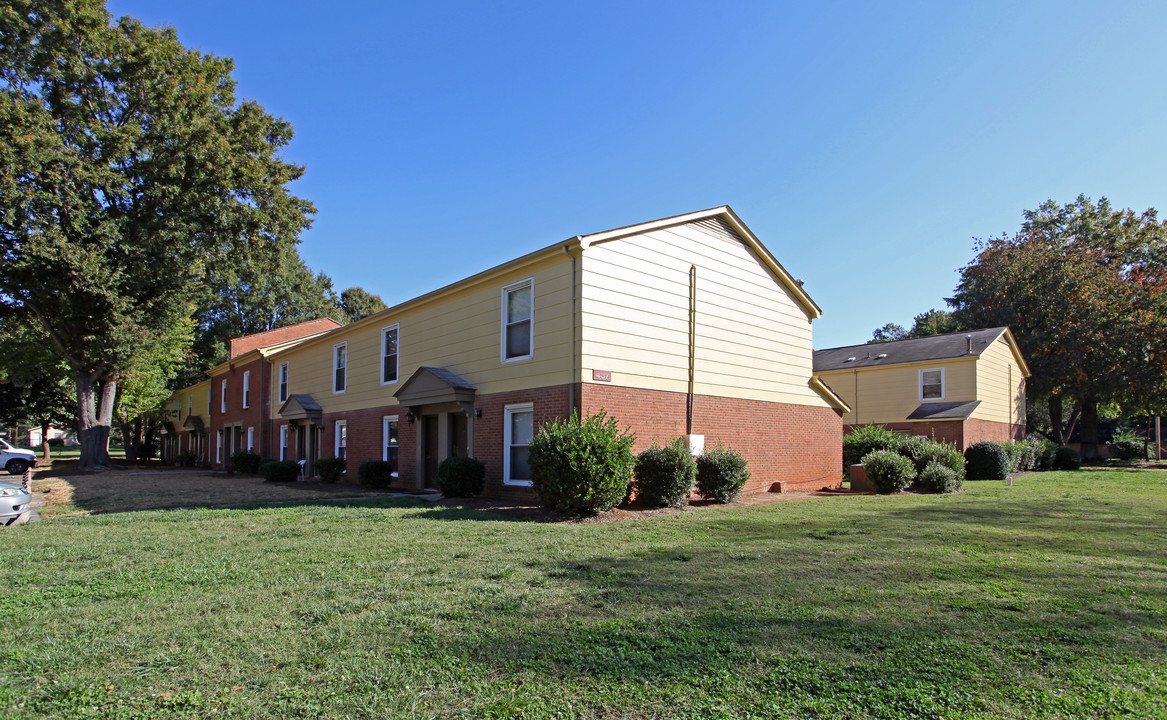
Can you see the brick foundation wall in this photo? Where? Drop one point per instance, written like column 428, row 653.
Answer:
column 977, row 430
column 798, row 445
column 961, row 433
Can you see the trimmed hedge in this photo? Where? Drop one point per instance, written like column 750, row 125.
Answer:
column 375, row 473
column 281, row 471
column 941, row 453
column 461, row 476
column 939, row 478
column 665, row 475
column 330, row 469
column 863, row 440
column 581, row 466
column 1066, row 458
column 888, row 470
column 721, row 475
column 986, row 460
column 244, row 462
column 1127, row 450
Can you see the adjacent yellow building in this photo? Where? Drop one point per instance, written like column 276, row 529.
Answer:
column 961, row 387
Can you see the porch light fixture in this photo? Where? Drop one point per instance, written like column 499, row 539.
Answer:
column 477, row 412
column 409, row 417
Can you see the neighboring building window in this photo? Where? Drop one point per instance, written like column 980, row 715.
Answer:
column 517, row 434
column 517, row 321
column 246, row 389
column 219, row 447
column 932, row 384
column 339, row 367
column 190, row 405
column 341, row 438
column 250, row 439
column 283, row 442
column 283, row 382
column 389, row 442
column 389, row 354
column 223, row 396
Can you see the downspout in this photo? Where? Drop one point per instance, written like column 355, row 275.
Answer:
column 576, row 361
column 692, row 346
column 856, row 408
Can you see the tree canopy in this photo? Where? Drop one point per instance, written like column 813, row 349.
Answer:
column 933, row 322
column 128, row 170
column 357, row 303
column 1084, row 288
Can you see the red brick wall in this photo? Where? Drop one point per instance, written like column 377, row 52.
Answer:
column 977, row 430
column 799, row 445
column 256, row 415
column 961, row 433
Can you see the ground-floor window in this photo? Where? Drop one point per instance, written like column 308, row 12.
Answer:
column 389, row 442
column 341, row 438
column 219, row 447
column 518, row 430
column 250, row 439
column 283, row 442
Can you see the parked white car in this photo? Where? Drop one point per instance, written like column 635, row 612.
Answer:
column 14, row 501
column 15, row 460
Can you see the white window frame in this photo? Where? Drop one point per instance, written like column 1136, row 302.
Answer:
column 246, row 389
column 250, row 439
column 395, row 327
column 283, row 442
column 219, row 447
column 283, row 382
column 189, row 405
column 943, row 385
column 385, row 420
column 529, row 283
column 509, row 410
column 223, row 397
column 339, row 431
column 336, row 367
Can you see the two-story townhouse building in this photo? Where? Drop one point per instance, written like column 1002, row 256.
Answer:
column 960, row 388
column 185, row 429
column 685, row 326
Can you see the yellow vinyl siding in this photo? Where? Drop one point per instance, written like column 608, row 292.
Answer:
column 1002, row 385
column 890, row 394
column 179, row 400
column 753, row 338
column 459, row 331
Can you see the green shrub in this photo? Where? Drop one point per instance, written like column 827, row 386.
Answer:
column 375, row 473
column 581, row 465
column 1033, row 449
column 1016, row 454
column 721, row 474
column 665, row 475
column 1045, row 453
column 281, row 471
column 461, row 476
column 863, row 440
column 1128, row 450
column 330, row 469
column 935, row 451
column 888, row 470
column 939, row 478
column 244, row 462
column 187, row 459
column 1066, row 458
column 986, row 460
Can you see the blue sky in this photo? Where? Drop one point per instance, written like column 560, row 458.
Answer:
column 866, row 144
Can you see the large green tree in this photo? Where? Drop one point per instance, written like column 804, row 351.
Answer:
column 34, row 380
column 926, row 324
column 127, row 170
column 1082, row 286
column 357, row 303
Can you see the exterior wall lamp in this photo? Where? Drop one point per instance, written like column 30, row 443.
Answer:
column 409, row 417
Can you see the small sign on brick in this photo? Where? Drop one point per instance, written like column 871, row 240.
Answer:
column 602, row 375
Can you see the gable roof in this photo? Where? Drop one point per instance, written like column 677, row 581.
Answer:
column 434, row 385
column 275, row 336
column 897, row 352
column 581, row 243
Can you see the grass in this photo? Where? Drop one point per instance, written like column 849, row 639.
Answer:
column 1047, row 599
column 152, row 487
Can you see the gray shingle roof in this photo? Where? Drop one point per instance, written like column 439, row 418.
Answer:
column 944, row 410
column 936, row 347
column 449, row 378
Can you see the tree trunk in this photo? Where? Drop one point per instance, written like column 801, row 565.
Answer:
column 132, row 438
column 1089, row 430
column 94, row 416
column 46, row 454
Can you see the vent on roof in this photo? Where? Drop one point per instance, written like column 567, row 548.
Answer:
column 969, row 339
column 850, row 359
column 881, row 356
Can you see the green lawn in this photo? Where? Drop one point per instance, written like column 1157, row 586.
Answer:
column 1044, row 600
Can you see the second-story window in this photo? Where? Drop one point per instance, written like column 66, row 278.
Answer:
column 339, row 367
column 517, row 320
column 932, row 384
column 283, row 382
column 246, row 389
column 389, row 354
